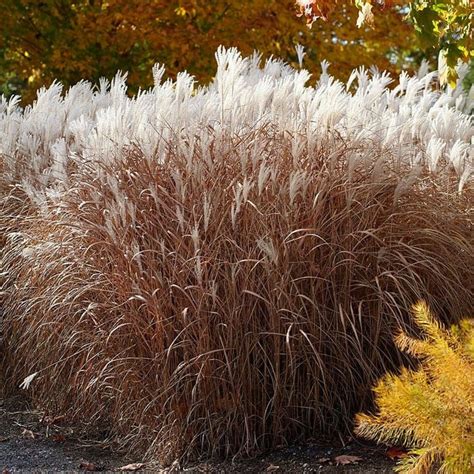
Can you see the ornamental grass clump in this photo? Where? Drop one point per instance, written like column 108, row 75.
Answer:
column 219, row 270
column 430, row 410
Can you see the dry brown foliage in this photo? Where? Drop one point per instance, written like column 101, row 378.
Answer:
column 218, row 305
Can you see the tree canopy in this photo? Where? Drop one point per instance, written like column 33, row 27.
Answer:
column 443, row 25
column 85, row 39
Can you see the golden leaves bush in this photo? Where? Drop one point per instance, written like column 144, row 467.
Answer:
column 431, row 409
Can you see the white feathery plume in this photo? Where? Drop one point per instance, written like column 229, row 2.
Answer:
column 27, row 381
column 87, row 124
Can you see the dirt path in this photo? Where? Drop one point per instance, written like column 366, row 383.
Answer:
column 30, row 444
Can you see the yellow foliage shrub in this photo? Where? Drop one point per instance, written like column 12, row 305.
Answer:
column 430, row 410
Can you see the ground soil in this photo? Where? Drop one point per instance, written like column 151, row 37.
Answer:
column 29, row 442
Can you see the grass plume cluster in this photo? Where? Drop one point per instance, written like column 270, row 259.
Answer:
column 430, row 410
column 221, row 269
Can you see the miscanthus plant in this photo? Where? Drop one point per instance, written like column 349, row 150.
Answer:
column 221, row 269
column 430, row 410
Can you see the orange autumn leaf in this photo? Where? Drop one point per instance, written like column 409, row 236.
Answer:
column 314, row 9
column 396, row 452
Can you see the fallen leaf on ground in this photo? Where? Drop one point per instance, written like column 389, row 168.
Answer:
column 347, row 459
column 28, row 434
column 53, row 420
column 323, row 460
column 59, row 438
column 272, row 468
column 395, row 452
column 5, row 471
column 132, row 467
column 88, row 466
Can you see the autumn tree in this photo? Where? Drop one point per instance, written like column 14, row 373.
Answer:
column 444, row 26
column 85, row 39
